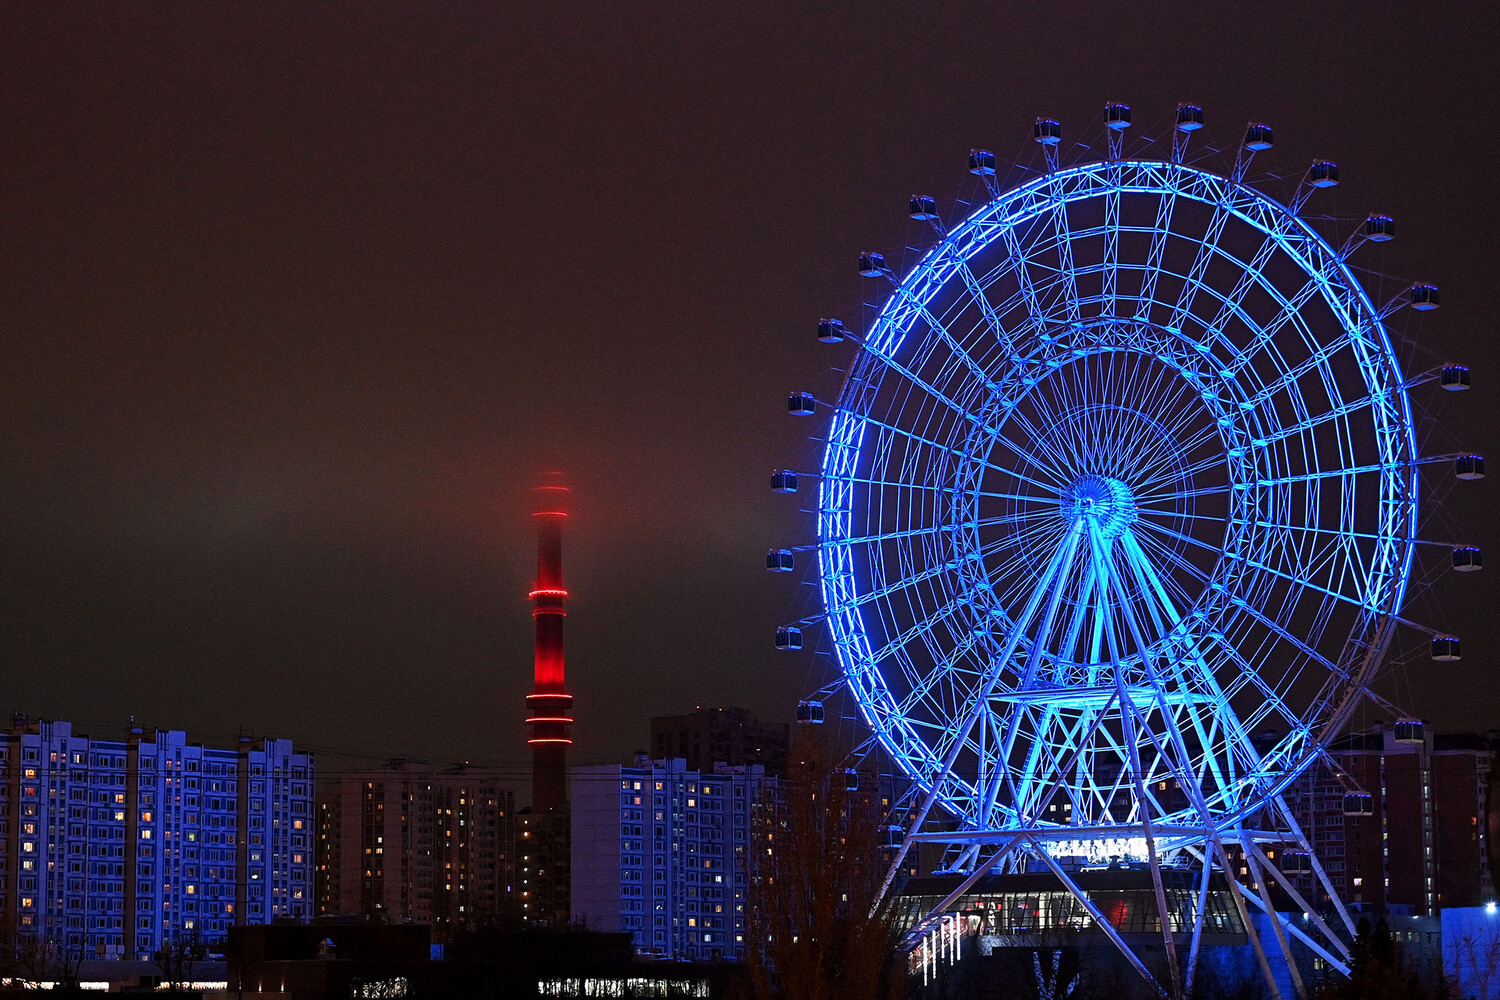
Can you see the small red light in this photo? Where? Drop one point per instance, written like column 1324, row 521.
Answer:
column 548, row 592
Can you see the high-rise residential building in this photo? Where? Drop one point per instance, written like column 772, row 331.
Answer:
column 1419, row 843
column 115, row 848
column 410, row 842
column 543, row 865
column 709, row 736
column 659, row 852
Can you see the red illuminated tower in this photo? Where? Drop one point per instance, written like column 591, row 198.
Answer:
column 549, row 702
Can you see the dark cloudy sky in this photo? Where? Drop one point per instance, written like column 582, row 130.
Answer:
column 297, row 301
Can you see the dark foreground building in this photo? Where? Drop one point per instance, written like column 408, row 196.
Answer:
column 338, row 959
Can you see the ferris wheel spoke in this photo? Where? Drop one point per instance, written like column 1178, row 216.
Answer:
column 1251, row 274
column 896, row 534
column 1289, row 378
column 1294, row 579
column 957, row 350
column 1052, row 459
column 1291, row 309
column 1348, row 535
column 1111, row 265
column 1019, row 262
column 929, row 389
column 1349, row 473
column 1041, row 458
column 885, row 591
column 1208, row 247
column 1170, row 448
column 981, row 299
column 1069, row 275
column 1172, row 557
column 1197, row 491
column 953, row 452
column 1159, row 232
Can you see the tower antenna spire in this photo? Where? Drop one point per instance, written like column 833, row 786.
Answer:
column 549, row 704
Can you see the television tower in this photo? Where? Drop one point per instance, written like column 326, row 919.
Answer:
column 549, row 703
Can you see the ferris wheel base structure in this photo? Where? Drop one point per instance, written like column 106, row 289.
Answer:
column 1117, row 512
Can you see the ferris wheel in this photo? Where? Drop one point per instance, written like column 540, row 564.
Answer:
column 1116, row 515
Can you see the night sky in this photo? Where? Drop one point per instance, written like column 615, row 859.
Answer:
column 297, row 301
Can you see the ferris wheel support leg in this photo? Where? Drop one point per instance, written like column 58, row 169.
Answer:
column 1236, row 894
column 1327, row 883
column 1100, row 920
column 1062, row 556
column 1199, row 915
column 1100, row 552
column 980, row 870
column 1252, row 854
column 1339, row 961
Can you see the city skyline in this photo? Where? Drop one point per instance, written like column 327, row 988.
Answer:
column 302, row 303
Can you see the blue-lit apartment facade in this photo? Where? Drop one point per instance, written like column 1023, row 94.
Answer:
column 658, row 853
column 109, row 848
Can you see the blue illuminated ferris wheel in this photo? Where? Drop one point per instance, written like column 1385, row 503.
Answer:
column 1116, row 515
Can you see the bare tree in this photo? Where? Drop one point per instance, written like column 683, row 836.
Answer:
column 176, row 958
column 816, row 927
column 1473, row 959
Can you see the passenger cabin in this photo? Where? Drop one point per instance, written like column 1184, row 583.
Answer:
column 1424, row 297
column 1455, row 378
column 1296, row 863
column 1258, row 137
column 1445, row 648
column 1409, row 731
column 1380, row 228
column 1469, row 467
column 1467, row 558
column 1323, row 174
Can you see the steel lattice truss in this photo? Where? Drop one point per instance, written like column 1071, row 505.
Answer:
column 1123, row 474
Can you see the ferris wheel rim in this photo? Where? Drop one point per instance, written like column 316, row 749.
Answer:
column 918, row 287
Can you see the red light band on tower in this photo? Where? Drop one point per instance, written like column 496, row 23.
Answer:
column 549, row 703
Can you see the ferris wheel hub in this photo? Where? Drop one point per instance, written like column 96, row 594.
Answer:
column 1104, row 500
